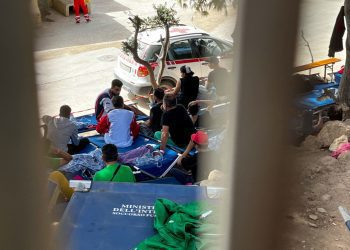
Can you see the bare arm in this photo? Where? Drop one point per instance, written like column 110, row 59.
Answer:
column 189, row 147
column 164, row 137
column 176, row 89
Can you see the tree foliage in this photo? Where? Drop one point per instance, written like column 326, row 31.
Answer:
column 204, row 6
column 165, row 17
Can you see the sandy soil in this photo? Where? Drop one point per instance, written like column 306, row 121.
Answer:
column 323, row 184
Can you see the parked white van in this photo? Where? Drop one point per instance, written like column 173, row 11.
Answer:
column 188, row 46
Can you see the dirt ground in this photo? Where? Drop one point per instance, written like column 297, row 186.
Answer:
column 323, row 184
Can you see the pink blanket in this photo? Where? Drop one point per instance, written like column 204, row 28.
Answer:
column 341, row 149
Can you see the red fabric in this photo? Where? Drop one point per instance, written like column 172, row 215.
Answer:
column 80, row 4
column 103, row 125
column 341, row 149
column 134, row 127
column 200, row 138
column 341, row 71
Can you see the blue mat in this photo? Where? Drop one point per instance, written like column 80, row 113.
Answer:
column 309, row 101
column 168, row 158
column 83, row 122
column 116, row 215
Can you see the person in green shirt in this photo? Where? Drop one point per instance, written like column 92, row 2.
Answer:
column 113, row 171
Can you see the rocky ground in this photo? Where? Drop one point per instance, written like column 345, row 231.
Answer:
column 322, row 184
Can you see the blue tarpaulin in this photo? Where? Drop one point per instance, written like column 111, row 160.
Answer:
column 86, row 121
column 117, row 215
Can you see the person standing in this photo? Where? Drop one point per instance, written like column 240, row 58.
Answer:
column 81, row 4
column 217, row 77
column 187, row 86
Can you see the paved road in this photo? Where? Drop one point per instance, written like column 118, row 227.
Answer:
column 77, row 78
column 64, row 32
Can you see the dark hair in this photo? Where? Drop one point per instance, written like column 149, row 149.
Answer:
column 116, row 83
column 159, row 93
column 193, row 109
column 118, row 101
column 110, row 153
column 65, row 111
column 186, row 70
column 169, row 100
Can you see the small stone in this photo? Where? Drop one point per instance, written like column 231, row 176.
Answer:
column 313, row 217
column 334, row 224
column 321, row 210
column 326, row 197
column 303, row 241
column 312, row 225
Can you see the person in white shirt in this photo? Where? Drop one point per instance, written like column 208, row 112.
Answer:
column 118, row 125
column 61, row 131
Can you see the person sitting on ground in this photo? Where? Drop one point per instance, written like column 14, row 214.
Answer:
column 177, row 126
column 199, row 140
column 113, row 170
column 153, row 124
column 200, row 119
column 187, row 86
column 104, row 103
column 118, row 125
column 217, row 77
column 61, row 130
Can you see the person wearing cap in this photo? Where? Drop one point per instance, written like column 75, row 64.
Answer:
column 199, row 140
column 186, row 87
column 177, row 125
column 217, row 77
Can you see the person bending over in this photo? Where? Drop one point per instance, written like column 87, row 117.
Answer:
column 113, row 170
column 118, row 125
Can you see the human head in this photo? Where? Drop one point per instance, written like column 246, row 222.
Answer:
column 65, row 111
column 169, row 101
column 118, row 102
column 213, row 62
column 109, row 153
column 158, row 94
column 186, row 71
column 200, row 139
column 193, row 109
column 116, row 87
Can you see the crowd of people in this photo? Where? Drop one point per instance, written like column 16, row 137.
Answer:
column 174, row 120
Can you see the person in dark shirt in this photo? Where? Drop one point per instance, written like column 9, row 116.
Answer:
column 217, row 77
column 103, row 102
column 187, row 86
column 176, row 124
column 154, row 123
column 200, row 120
